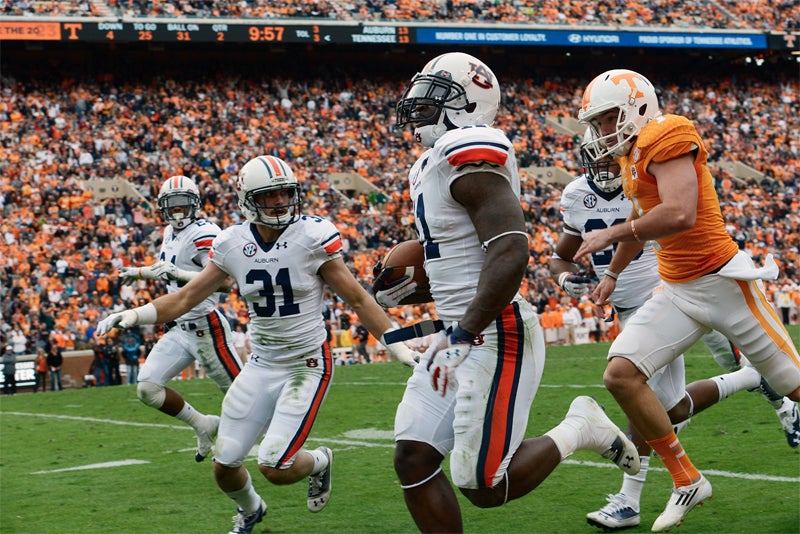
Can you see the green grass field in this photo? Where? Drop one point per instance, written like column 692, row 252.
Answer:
column 53, row 447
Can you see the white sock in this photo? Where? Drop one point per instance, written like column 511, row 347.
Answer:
column 566, row 436
column 320, row 461
column 191, row 416
column 632, row 485
column 745, row 378
column 246, row 498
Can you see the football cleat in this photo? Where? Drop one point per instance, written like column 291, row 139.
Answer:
column 790, row 420
column 600, row 434
column 681, row 501
column 616, row 515
column 205, row 438
column 243, row 523
column 319, row 485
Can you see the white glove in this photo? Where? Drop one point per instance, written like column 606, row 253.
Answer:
column 448, row 351
column 389, row 295
column 146, row 314
column 165, row 270
column 124, row 319
column 573, row 284
column 401, row 351
column 150, row 272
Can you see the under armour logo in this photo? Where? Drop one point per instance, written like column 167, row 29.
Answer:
column 628, row 462
column 281, row 244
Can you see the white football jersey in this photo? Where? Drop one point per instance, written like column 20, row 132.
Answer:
column 453, row 253
column 188, row 250
column 280, row 284
column 585, row 207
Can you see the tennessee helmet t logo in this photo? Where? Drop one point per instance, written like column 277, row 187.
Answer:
column 630, row 78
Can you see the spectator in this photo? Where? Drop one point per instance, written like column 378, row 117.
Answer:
column 9, row 371
column 19, row 341
column 55, row 360
column 40, row 368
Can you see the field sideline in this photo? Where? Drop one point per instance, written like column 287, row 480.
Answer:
column 97, row 460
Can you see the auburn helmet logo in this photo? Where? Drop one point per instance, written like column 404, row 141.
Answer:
column 481, row 76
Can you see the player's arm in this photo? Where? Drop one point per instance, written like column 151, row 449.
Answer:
column 565, row 272
column 168, row 307
column 677, row 189
column 372, row 316
column 497, row 216
column 170, row 271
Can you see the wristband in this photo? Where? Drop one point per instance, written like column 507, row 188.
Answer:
column 633, row 230
column 146, row 314
column 611, row 274
column 459, row 335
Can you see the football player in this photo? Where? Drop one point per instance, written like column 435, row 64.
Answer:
column 280, row 260
column 596, row 200
column 708, row 282
column 471, row 394
column 201, row 334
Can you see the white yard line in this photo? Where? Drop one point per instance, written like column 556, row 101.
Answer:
column 363, row 438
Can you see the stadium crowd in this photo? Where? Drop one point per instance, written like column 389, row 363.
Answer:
column 755, row 14
column 61, row 247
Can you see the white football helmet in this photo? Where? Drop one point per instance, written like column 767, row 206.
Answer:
column 605, row 172
column 635, row 98
column 262, row 175
column 178, row 201
column 453, row 90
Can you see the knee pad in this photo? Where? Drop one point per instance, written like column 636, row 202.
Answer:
column 151, row 394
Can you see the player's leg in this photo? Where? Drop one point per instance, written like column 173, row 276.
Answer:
column 244, row 417
column 623, row 508
column 727, row 355
column 649, row 341
column 216, row 351
column 167, row 359
column 741, row 312
column 296, row 393
column 423, row 431
column 490, row 462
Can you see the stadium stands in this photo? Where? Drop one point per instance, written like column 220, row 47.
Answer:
column 61, row 244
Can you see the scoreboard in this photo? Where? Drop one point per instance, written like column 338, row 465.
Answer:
column 205, row 32
column 278, row 31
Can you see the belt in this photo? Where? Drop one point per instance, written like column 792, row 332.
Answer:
column 619, row 309
column 187, row 326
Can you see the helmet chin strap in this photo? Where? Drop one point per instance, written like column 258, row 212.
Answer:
column 429, row 134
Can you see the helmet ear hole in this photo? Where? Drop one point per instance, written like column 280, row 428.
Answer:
column 470, row 107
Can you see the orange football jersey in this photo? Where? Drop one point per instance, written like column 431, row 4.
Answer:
column 707, row 245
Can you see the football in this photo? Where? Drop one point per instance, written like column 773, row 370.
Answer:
column 407, row 258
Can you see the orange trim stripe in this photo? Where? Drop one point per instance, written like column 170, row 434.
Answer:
column 203, row 243
column 477, row 155
column 500, row 410
column 316, row 404
column 221, row 345
column 333, row 246
column 780, row 337
column 275, row 166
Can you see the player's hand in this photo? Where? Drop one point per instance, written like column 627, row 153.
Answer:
column 124, row 319
column 446, row 354
column 129, row 275
column 164, row 270
column 390, row 294
column 592, row 242
column 151, row 272
column 573, row 284
column 401, row 351
column 603, row 291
